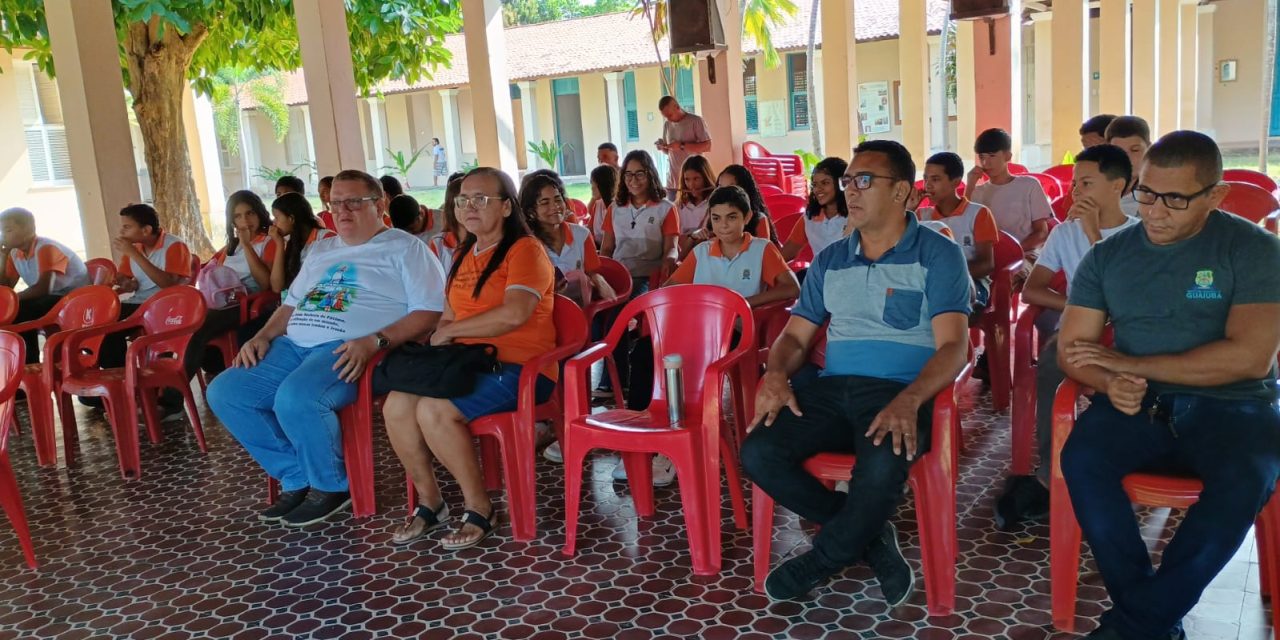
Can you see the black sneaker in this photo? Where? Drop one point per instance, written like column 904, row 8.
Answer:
column 1104, row 632
column 798, row 576
column 317, row 507
column 1024, row 499
column 897, row 580
column 980, row 371
column 286, row 502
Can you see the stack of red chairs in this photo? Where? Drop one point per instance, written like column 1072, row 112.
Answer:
column 784, row 171
column 696, row 447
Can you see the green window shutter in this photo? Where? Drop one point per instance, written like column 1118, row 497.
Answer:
column 629, row 104
column 749, row 93
column 798, row 91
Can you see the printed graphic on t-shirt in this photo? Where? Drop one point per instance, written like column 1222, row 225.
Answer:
column 335, row 293
column 1204, row 289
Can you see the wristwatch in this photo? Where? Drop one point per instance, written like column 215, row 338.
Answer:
column 383, row 340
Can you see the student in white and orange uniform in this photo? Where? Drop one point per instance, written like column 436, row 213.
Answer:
column 295, row 229
column 569, row 246
column 972, row 225
column 49, row 269
column 604, row 188
column 825, row 216
column 444, row 244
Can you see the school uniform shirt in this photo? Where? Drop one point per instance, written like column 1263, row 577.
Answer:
column 350, row 291
column 693, row 216
column 524, row 268
column 1016, row 205
column 316, row 234
column 1067, row 245
column 43, row 256
column 755, row 268
column 170, row 254
column 818, row 232
column 940, row 227
column 638, row 232
column 443, row 247
column 239, row 262
column 970, row 224
column 578, row 252
column 598, row 212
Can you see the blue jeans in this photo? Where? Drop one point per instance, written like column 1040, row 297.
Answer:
column 500, row 392
column 1233, row 446
column 284, row 412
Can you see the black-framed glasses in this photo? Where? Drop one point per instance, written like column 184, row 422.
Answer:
column 1172, row 201
column 475, row 202
column 628, row 176
column 862, row 181
column 352, row 204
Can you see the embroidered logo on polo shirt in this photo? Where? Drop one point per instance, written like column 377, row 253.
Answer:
column 1204, row 289
column 746, row 274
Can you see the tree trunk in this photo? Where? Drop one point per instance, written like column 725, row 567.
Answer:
column 157, row 81
column 814, row 128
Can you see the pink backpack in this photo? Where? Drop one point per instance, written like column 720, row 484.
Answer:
column 220, row 285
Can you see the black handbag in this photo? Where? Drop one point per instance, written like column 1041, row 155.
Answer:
column 445, row 371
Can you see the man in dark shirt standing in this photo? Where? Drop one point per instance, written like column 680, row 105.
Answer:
column 1193, row 295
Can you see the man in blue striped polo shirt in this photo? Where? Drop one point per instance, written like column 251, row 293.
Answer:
column 896, row 297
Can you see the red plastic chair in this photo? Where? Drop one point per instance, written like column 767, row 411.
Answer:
column 8, row 306
column 619, row 279
column 784, row 227
column 1149, row 489
column 933, row 481
column 1062, row 206
column 1250, row 201
column 513, row 432
column 251, row 307
column 580, row 210
column 85, row 307
column 1017, row 169
column 12, row 355
column 101, row 271
column 792, row 166
column 785, row 205
column 767, row 190
column 1063, row 173
column 1250, row 176
column 997, row 321
column 166, row 322
column 1053, row 189
column 696, row 448
column 1026, row 347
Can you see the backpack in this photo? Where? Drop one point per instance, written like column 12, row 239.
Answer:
column 220, row 285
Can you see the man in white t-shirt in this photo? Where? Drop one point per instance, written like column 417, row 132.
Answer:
column 683, row 134
column 1018, row 202
column 1102, row 174
column 366, row 290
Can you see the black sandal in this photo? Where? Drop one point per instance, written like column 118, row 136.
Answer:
column 485, row 525
column 431, row 520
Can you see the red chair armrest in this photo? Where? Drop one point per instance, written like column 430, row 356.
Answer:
column 30, row 325
column 137, row 348
column 577, row 373
column 526, row 398
column 1024, row 343
column 252, row 306
column 1064, row 418
column 75, row 339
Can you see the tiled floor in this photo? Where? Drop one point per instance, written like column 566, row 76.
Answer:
column 179, row 554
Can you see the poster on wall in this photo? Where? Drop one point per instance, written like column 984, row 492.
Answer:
column 773, row 118
column 873, row 107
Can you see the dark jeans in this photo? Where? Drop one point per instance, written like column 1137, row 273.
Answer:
column 622, row 356
column 33, row 309
column 1048, row 376
column 838, row 410
column 216, row 323
column 1233, row 446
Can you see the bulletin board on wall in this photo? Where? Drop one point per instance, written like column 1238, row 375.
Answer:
column 874, row 110
column 773, row 118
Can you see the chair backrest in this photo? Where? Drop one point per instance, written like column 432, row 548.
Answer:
column 1062, row 205
column 754, row 150
column 1017, row 169
column 783, row 225
column 670, row 312
column 1063, row 173
column 87, row 307
column 1250, row 176
column 173, row 308
column 1007, row 251
column 785, row 204
column 767, row 190
column 579, row 209
column 1248, row 200
column 101, row 271
column 12, row 356
column 8, row 305
column 766, row 171
column 617, row 275
column 1052, row 188
column 571, row 325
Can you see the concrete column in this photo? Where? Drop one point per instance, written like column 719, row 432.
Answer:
column 937, row 97
column 613, row 105
column 248, row 148
column 1206, row 62
column 195, row 149
column 1042, row 23
column 452, row 130
column 331, row 85
column 966, row 88
column 1145, row 61
column 529, row 120
column 839, row 78
column 379, row 140
column 490, row 93
column 311, row 142
column 913, row 73
column 724, row 97
column 1168, row 105
column 82, row 34
column 1114, row 73
column 211, row 187
column 998, row 77
column 1188, row 63
column 1070, row 75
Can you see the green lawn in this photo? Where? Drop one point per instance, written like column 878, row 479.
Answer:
column 1248, row 159
column 434, row 196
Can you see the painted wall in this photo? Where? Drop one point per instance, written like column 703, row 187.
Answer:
column 1238, row 35
column 595, row 128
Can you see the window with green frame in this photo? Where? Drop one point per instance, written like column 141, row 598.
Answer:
column 749, row 93
column 684, row 88
column 798, row 91
column 629, row 104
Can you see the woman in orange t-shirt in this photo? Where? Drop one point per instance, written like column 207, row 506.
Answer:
column 500, row 291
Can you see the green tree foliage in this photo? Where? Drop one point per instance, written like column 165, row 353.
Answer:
column 519, row 12
column 167, row 43
column 229, row 89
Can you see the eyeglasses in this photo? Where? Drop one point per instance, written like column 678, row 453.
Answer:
column 634, row 175
column 475, row 202
column 350, row 204
column 1172, row 201
column 861, row 181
